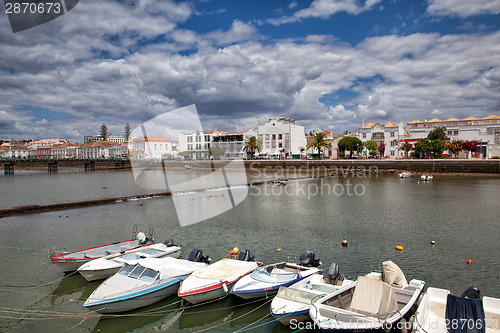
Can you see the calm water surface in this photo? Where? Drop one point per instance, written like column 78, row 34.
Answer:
column 461, row 214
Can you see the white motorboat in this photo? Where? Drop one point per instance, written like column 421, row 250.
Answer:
column 144, row 283
column 426, row 177
column 368, row 303
column 72, row 260
column 216, row 280
column 430, row 316
column 266, row 280
column 292, row 304
column 405, row 174
column 106, row 266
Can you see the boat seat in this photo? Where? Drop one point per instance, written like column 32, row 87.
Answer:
column 279, row 271
column 373, row 298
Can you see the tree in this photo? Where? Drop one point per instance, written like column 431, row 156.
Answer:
column 350, row 143
column 302, row 150
column 104, row 132
column 216, row 151
column 381, row 149
column 127, row 132
column 470, row 146
column 252, row 145
column 423, row 146
column 371, row 146
column 406, row 147
column 455, row 146
column 319, row 142
column 183, row 153
column 439, row 133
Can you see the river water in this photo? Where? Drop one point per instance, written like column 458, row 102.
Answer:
column 374, row 213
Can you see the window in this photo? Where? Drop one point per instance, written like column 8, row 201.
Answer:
column 280, row 136
column 198, row 146
column 267, row 145
column 155, row 146
column 393, row 143
column 198, row 138
column 392, row 152
column 280, row 145
column 450, row 132
column 274, row 136
column 392, row 134
column 364, row 135
column 190, row 146
column 455, row 132
column 207, row 138
column 267, row 136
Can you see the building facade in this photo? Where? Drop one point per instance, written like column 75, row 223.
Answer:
column 485, row 131
column 196, row 144
column 390, row 134
column 281, row 137
column 232, row 144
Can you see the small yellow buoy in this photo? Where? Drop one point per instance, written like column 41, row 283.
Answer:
column 399, row 248
column 278, row 249
column 235, row 250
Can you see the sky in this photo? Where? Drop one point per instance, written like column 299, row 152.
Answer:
column 328, row 64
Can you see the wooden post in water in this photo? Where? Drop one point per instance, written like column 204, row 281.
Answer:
column 8, row 168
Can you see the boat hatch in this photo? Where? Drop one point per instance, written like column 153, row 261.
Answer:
column 139, row 272
column 276, row 275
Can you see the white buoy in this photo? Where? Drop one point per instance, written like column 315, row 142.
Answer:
column 224, row 286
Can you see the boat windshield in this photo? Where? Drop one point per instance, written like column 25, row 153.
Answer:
column 139, row 272
column 276, row 275
column 296, row 295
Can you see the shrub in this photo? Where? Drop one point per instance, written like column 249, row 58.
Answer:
column 495, row 157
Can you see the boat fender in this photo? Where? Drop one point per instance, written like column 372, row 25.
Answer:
column 141, row 237
column 471, row 292
column 224, row 286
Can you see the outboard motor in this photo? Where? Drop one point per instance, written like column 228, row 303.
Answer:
column 471, row 292
column 244, row 255
column 197, row 256
column 307, row 259
column 169, row 242
column 333, row 273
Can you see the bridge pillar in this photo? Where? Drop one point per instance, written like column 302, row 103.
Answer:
column 52, row 166
column 8, row 168
column 89, row 166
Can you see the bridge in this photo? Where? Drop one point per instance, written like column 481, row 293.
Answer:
column 53, row 165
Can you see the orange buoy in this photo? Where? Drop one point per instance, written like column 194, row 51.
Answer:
column 344, row 242
column 399, row 248
column 469, row 261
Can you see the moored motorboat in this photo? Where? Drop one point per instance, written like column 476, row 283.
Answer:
column 106, row 266
column 426, row 177
column 405, row 174
column 266, row 280
column 69, row 261
column 144, row 283
column 292, row 304
column 369, row 303
column 216, row 280
column 438, row 308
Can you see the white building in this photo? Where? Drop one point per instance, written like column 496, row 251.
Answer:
column 485, row 131
column 232, row 144
column 116, row 139
column 95, row 150
column 390, row 134
column 196, row 144
column 157, row 148
column 281, row 137
column 65, row 150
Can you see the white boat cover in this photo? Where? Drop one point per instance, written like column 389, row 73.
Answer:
column 394, row 274
column 226, row 270
column 171, row 267
column 373, row 297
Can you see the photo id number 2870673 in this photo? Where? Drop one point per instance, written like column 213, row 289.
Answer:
column 33, row 7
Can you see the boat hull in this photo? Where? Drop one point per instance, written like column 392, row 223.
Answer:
column 131, row 301
column 93, row 275
column 206, row 295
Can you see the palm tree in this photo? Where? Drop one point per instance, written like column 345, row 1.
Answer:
column 252, row 145
column 319, row 142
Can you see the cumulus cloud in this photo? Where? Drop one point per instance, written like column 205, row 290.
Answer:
column 463, row 8
column 326, row 8
column 87, row 72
